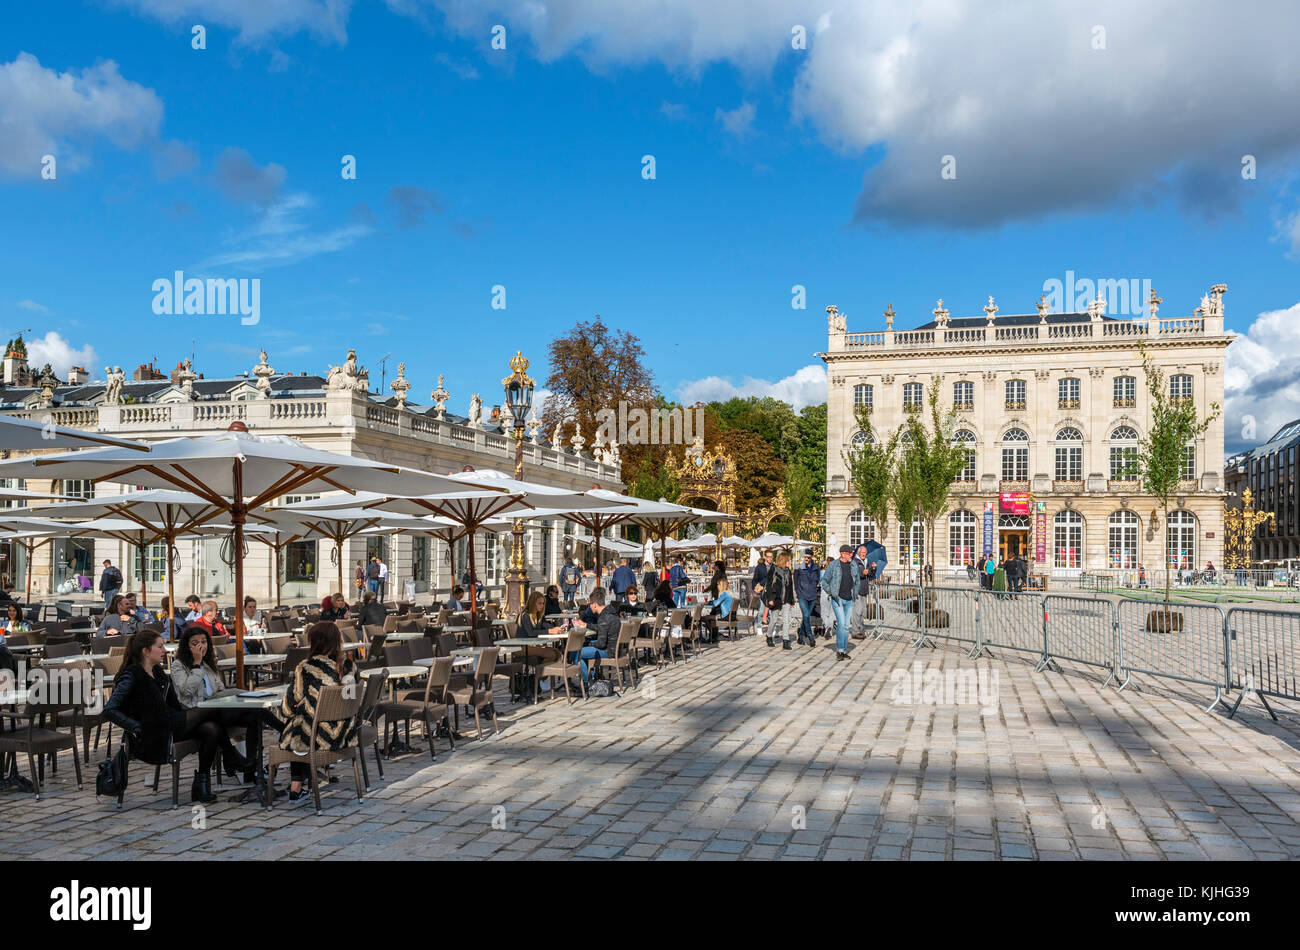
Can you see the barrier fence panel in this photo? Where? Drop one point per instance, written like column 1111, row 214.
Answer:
column 1183, row 642
column 892, row 611
column 1012, row 621
column 1081, row 630
column 951, row 613
column 1264, row 653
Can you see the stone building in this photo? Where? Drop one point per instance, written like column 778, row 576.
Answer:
column 338, row 413
column 1269, row 472
column 1051, row 405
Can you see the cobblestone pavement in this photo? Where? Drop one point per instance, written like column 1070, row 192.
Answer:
column 751, row 752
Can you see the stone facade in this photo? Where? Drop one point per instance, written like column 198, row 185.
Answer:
column 1046, row 402
column 337, row 413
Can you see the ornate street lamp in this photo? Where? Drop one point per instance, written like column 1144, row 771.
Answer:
column 519, row 400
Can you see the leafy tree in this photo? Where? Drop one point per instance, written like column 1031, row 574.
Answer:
column 800, row 495
column 653, row 481
column 593, row 369
column 872, row 468
column 759, row 473
column 811, row 454
column 1174, row 424
column 931, row 460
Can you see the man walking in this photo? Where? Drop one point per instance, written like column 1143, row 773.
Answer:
column 570, row 577
column 838, row 583
column 807, row 584
column 383, row 580
column 678, row 578
column 372, row 575
column 758, row 584
column 623, row 579
column 110, row 582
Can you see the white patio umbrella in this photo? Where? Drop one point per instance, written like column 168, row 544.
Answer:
column 27, row 434
column 479, row 496
column 236, row 472
column 30, row 497
column 770, row 539
column 29, row 535
column 666, row 518
column 171, row 512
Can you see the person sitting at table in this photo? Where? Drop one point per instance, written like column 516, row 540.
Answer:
column 327, row 665
column 118, row 619
column 194, row 608
column 195, row 676
column 607, row 625
column 254, row 619
column 333, row 608
column 133, row 608
column 172, row 624
column 717, row 609
column 632, row 605
column 553, row 605
column 209, row 621
column 663, row 596
column 455, row 603
column 532, row 622
column 372, row 611
column 144, row 705
column 12, row 621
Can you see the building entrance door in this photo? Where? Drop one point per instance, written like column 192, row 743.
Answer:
column 1013, row 542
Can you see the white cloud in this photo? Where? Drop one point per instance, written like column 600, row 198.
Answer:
column 739, row 121
column 59, row 353
column 807, row 387
column 33, row 305
column 1261, row 381
column 43, row 112
column 281, row 237
column 256, row 20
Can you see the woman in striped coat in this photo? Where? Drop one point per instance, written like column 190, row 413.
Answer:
column 326, row 666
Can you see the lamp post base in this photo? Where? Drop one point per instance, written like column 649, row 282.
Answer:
column 516, row 591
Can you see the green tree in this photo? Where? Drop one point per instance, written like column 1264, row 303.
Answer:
column 872, row 468
column 759, row 473
column 931, row 460
column 800, row 495
column 1160, row 456
column 811, row 454
column 653, row 481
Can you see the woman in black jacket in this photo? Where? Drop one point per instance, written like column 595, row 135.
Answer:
column 372, row 611
column 778, row 595
column 144, row 705
column 719, row 574
column 663, row 596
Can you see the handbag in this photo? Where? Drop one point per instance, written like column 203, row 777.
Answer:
column 111, row 780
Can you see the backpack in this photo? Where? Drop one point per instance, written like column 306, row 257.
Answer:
column 111, row 780
column 599, row 689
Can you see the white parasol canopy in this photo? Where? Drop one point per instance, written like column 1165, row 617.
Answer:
column 28, row 434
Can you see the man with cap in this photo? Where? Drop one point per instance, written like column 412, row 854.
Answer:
column 807, row 580
column 839, row 582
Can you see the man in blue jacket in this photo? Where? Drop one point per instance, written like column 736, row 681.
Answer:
column 807, row 581
column 624, row 577
column 839, row 582
column 679, row 579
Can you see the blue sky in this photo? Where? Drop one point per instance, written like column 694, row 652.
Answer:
column 775, row 167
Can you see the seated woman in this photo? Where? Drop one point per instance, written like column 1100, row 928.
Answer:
column 632, row 605
column 553, row 605
column 327, row 665
column 254, row 619
column 532, row 623
column 663, row 596
column 12, row 621
column 717, row 609
column 372, row 611
column 144, row 705
column 195, row 676
column 333, row 608
column 172, row 624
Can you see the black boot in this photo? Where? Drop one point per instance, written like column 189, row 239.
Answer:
column 785, row 645
column 770, row 642
column 233, row 762
column 201, row 790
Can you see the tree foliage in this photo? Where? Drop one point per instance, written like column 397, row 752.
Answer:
column 800, row 495
column 1174, row 426
column 931, row 460
column 871, row 466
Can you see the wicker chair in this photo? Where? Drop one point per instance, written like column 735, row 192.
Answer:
column 562, row 668
column 621, row 659
column 432, row 704
column 331, row 706
column 478, row 693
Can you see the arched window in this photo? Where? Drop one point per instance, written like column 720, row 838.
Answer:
column 1069, row 457
column 861, row 528
column 1015, row 459
column 1067, row 538
column 1122, row 537
column 966, row 439
column 1180, row 540
column 1067, row 393
column 861, row 438
column 1123, row 454
column 961, row 538
column 863, row 395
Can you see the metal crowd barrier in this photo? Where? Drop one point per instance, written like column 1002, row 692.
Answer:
column 1192, row 648
column 1264, row 653
column 1246, row 649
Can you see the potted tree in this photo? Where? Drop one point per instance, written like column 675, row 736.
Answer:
column 1159, row 463
column 872, row 468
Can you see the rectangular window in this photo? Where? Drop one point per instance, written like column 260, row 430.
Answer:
column 1015, row 465
column 1180, row 388
column 1069, row 463
column 1121, row 457
column 963, row 396
column 299, row 564
column 156, row 556
column 863, row 395
column 420, row 562
column 1068, row 542
column 1067, row 393
column 912, row 397
column 78, row 488
column 1189, row 464
column 1125, row 392
column 1015, row 394
column 967, row 474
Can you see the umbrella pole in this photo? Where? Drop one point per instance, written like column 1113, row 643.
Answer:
column 238, row 512
column 473, row 586
column 338, row 557
column 144, row 573
column 279, row 599
column 31, row 551
column 169, row 622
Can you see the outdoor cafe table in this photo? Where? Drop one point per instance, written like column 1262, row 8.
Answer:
column 405, row 635
column 230, row 699
column 75, row 658
column 460, row 662
column 396, row 673
column 253, row 660
column 27, row 648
